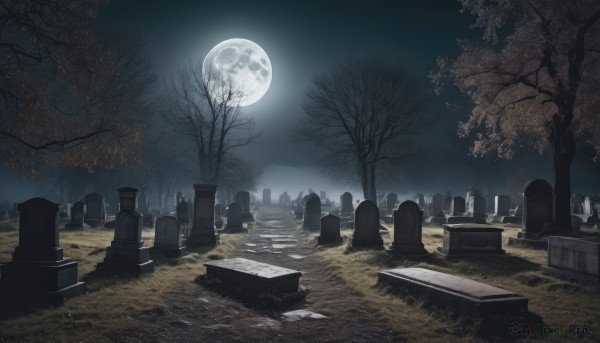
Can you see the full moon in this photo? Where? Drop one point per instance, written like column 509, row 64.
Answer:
column 241, row 64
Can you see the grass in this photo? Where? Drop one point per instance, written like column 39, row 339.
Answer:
column 111, row 302
column 556, row 301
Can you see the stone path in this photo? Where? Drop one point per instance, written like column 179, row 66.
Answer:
column 331, row 311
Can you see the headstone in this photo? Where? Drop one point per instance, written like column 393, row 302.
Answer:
column 77, row 214
column 501, row 205
column 366, row 226
column 437, row 203
column 467, row 239
column 574, row 258
column 346, row 203
column 537, row 212
column 126, row 253
column 183, row 212
column 458, row 206
column 323, row 196
column 38, row 273
column 266, row 196
column 167, row 236
column 243, row 198
column 95, row 212
column 330, row 230
column 447, row 201
column 588, row 205
column 391, row 201
column 476, row 209
column 312, row 213
column 203, row 230
column 234, row 218
column 408, row 227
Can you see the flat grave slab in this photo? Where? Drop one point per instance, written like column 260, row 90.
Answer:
column 468, row 297
column 254, row 277
column 468, row 239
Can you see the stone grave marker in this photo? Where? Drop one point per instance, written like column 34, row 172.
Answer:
column 38, row 273
column 312, row 213
column 126, row 253
column 266, row 196
column 457, row 207
column 366, row 226
column 95, row 213
column 437, row 203
column 391, row 201
column 537, row 203
column 346, row 203
column 467, row 239
column 234, row 218
column 476, row 209
column 77, row 215
column 408, row 227
column 167, row 237
column 447, row 202
column 203, row 230
column 330, row 230
column 588, row 205
column 574, row 258
column 243, row 198
column 501, row 205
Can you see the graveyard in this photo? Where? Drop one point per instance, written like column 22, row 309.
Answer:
column 301, row 171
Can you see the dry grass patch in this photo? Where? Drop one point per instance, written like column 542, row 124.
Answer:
column 111, row 303
column 558, row 302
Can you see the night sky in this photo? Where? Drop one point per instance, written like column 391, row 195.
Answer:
column 304, row 38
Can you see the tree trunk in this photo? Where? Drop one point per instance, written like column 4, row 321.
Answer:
column 372, row 188
column 564, row 149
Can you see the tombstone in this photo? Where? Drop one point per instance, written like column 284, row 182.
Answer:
column 183, row 212
column 266, row 196
column 203, row 230
column 95, row 212
column 391, row 201
column 366, row 226
column 501, row 205
column 243, row 198
column 574, row 258
column 537, row 211
column 143, row 203
column 457, row 208
column 346, row 203
column 126, row 253
column 167, row 237
column 330, row 230
column 588, row 205
column 471, row 191
column 447, row 202
column 323, row 196
column 38, row 274
column 312, row 213
column 234, row 218
column 77, row 214
column 408, row 227
column 466, row 239
column 438, row 218
column 437, row 203
column 476, row 209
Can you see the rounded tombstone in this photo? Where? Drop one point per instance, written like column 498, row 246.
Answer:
column 537, row 207
column 312, row 212
column 366, row 226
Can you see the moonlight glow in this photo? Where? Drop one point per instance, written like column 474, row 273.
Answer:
column 240, row 63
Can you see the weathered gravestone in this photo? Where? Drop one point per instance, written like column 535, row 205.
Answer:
column 312, row 213
column 77, row 215
column 366, row 226
column 203, row 230
column 266, row 196
column 408, row 228
column 447, row 202
column 391, row 201
column 243, row 198
column 38, row 273
column 95, row 213
column 234, row 218
column 457, row 211
column 330, row 230
column 501, row 205
column 346, row 203
column 437, row 203
column 167, row 237
column 476, row 209
column 126, row 253
column 183, row 212
column 574, row 258
column 537, row 211
column 465, row 239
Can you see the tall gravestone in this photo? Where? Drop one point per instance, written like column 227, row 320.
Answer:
column 457, row 208
column 588, row 205
column 312, row 213
column 95, row 212
column 346, row 203
column 243, row 198
column 437, row 203
column 447, row 202
column 234, row 218
column 38, row 273
column 330, row 230
column 77, row 214
column 126, row 253
column 537, row 208
column 266, row 196
column 183, row 212
column 203, row 230
column 408, row 228
column 167, row 236
column 366, row 226
column 501, row 205
column 391, row 201
column 476, row 209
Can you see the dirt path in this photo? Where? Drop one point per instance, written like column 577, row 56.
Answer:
column 197, row 314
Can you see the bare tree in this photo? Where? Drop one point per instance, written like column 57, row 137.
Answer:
column 536, row 88
column 66, row 94
column 207, row 113
column 363, row 113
